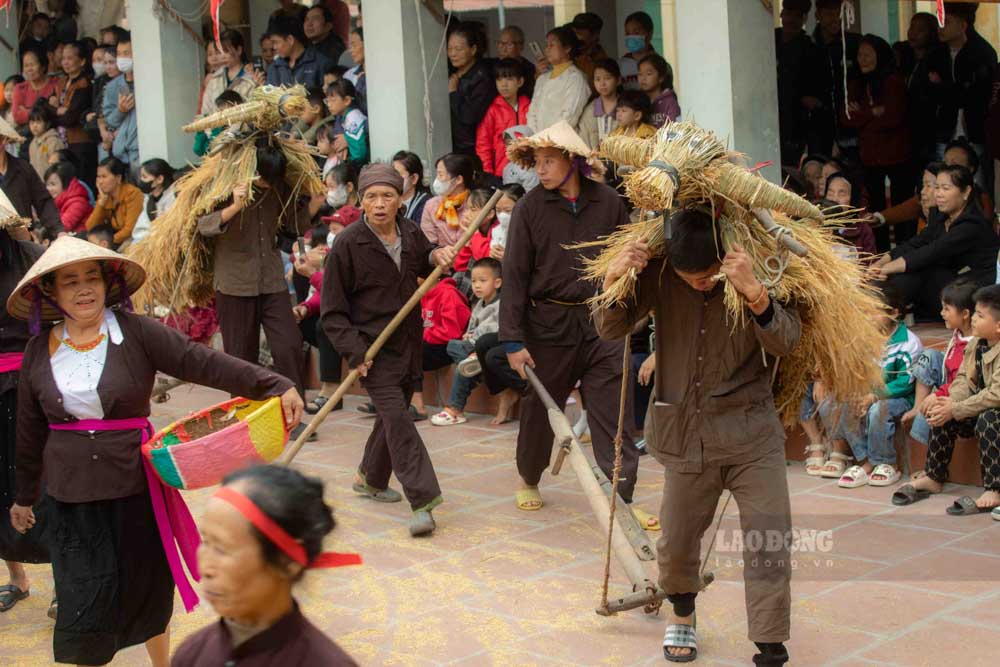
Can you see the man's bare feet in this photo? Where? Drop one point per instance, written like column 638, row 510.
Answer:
column 988, row 500
column 674, row 619
column 923, row 482
column 508, row 399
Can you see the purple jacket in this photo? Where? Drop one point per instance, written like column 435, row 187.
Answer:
column 665, row 108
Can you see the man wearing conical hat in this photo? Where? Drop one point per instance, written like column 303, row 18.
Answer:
column 544, row 320
column 20, row 183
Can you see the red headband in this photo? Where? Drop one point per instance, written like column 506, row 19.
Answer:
column 281, row 539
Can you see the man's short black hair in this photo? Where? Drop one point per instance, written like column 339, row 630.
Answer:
column 963, row 144
column 103, row 232
column 893, row 298
column 989, row 297
column 286, row 26
column 271, row 162
column 695, row 244
column 487, row 263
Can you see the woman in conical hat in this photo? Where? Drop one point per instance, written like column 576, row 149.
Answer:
column 16, row 257
column 83, row 409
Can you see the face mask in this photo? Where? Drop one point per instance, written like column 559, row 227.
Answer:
column 504, row 218
column 124, row 64
column 336, row 197
column 440, row 188
column 145, row 186
column 100, row 69
column 634, row 43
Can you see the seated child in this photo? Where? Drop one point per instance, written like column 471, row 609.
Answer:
column 513, row 172
column 45, row 141
column 485, row 320
column 315, row 112
column 871, row 441
column 350, row 139
column 203, row 139
column 102, row 235
column 445, row 312
column 934, row 371
column 632, row 113
column 972, row 409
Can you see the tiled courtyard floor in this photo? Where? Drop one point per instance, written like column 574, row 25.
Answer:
column 496, row 586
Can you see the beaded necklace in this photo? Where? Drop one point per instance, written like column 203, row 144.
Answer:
column 87, row 347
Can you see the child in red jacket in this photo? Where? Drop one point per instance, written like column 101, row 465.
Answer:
column 445, row 312
column 510, row 108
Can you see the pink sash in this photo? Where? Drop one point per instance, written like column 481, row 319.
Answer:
column 10, row 361
column 173, row 519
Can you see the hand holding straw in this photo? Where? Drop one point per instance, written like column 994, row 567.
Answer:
column 390, row 328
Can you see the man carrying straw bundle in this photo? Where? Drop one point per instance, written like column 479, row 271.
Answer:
column 544, row 317
column 371, row 273
column 713, row 424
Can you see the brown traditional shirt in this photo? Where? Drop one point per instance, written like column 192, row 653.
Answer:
column 543, row 294
column 290, row 642
column 363, row 290
column 713, row 401
column 81, row 466
column 247, row 260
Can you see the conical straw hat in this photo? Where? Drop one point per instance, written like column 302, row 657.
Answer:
column 64, row 251
column 8, row 132
column 561, row 135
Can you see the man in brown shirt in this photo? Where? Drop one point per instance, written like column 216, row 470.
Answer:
column 713, row 424
column 370, row 274
column 544, row 320
column 250, row 287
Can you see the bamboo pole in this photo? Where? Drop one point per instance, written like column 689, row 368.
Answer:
column 390, row 328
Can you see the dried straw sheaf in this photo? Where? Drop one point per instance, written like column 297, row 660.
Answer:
column 267, row 108
column 177, row 259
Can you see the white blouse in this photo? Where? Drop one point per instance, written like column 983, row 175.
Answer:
column 77, row 374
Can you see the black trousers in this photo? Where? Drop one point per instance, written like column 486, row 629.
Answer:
column 902, row 181
column 86, row 153
column 395, row 446
column 240, row 319
column 941, row 445
column 597, row 365
column 329, row 358
column 497, row 373
column 435, row 357
column 642, row 393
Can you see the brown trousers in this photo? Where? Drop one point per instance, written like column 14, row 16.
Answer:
column 395, row 446
column 240, row 319
column 597, row 365
column 760, row 490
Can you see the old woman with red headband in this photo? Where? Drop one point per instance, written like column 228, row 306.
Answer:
column 82, row 414
column 261, row 531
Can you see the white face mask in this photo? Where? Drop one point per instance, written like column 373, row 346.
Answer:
column 329, row 239
column 441, row 188
column 124, row 64
column 504, row 218
column 337, row 197
column 100, row 69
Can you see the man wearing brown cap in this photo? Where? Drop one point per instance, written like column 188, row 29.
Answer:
column 370, row 274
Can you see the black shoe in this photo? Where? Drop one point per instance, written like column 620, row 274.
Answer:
column 315, row 405
column 771, row 654
column 298, row 431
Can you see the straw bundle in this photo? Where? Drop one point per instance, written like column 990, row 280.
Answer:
column 267, row 108
column 177, row 259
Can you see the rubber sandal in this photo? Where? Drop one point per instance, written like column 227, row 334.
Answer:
column 367, row 408
column 422, row 523
column 648, row 521
column 815, row 462
column 315, row 405
column 889, row 472
column 838, row 461
column 417, row 416
column 966, row 506
column 995, row 513
column 378, row 495
column 469, row 367
column 679, row 635
column 908, row 494
column 10, row 595
column 528, row 500
column 445, row 418
column 854, row 478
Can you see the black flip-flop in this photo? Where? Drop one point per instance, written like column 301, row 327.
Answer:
column 10, row 595
column 966, row 506
column 367, row 408
column 417, row 416
column 908, row 494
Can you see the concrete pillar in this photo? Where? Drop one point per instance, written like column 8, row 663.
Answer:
column 874, row 15
column 396, row 81
column 8, row 46
column 727, row 65
column 565, row 10
column 259, row 12
column 169, row 65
